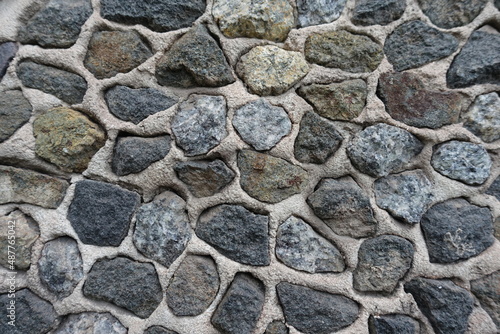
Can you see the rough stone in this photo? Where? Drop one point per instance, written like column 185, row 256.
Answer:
column 314, row 12
column 496, row 226
column 494, row 189
column 450, row 13
column 270, row 70
column 15, row 111
column 276, row 327
column 100, row 213
column 261, row 124
column 392, row 324
column 194, row 60
column 91, row 323
column 455, row 230
column 67, row 138
column 382, row 12
column 483, row 117
column 315, row 312
column 194, row 286
column 158, row 330
column 7, row 52
column 344, row 50
column 237, row 233
column 269, row 179
column 487, row 291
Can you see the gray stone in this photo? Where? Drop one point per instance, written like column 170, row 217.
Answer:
column 455, row 230
column 276, row 327
column 496, row 226
column 497, row 3
column 162, row 229
column 487, row 291
column 382, row 12
column 314, row 12
column 158, row 330
column 15, row 111
column 483, row 117
column 7, row 52
column 126, row 283
column 462, row 161
column 315, row 312
column 393, row 324
column 91, row 323
column 200, row 123
column 494, row 188
column 300, row 247
column 100, row 213
column 261, row 124
column 451, row 13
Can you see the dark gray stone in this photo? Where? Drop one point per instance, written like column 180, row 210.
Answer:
column 276, row 327
column 451, row 13
column 91, row 323
column 314, row 12
column 7, row 52
column 483, row 118
column 158, row 330
column 392, row 324
column 494, row 189
column 497, row 3
column 486, row 289
column 15, row 111
column 382, row 12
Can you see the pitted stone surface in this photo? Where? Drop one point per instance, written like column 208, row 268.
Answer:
column 158, row 330
column 494, row 188
column 371, row 12
column 483, row 117
column 313, row 12
column 91, row 323
column 7, row 52
column 487, row 291
column 392, row 324
column 15, row 111
column 450, row 13
column 276, row 327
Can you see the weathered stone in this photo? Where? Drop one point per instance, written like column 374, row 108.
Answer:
column 15, row 111
column 344, row 50
column 91, row 323
column 158, row 330
column 487, row 291
column 483, row 117
column 269, row 179
column 462, row 161
column 200, row 123
column 237, row 233
column 300, row 247
column 455, row 230
column 276, row 327
column 100, row 213
column 194, row 286
column 314, row 12
column 113, row 52
column 7, row 52
column 344, row 207
column 57, row 25
column 382, row 12
column 451, row 13
column 261, row 124
column 204, row 178
column 392, row 324
column 66, row 86
column 415, row 43
column 126, row 283
column 162, row 229
column 270, row 70
column 494, row 188
column 342, row 101
column 67, row 138
column 315, row 312
column 241, row 305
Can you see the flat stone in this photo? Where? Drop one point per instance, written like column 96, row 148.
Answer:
column 486, row 290
column 194, row 286
column 270, row 70
column 455, row 230
column 8, row 51
column 162, row 229
column 200, row 124
column 300, row 247
column 241, row 305
column 90, row 323
column 344, row 50
column 414, row 43
column 113, row 52
column 100, row 212
column 450, row 13
column 314, row 12
column 269, row 179
column 315, row 312
column 126, row 283
column 494, row 189
column 15, row 111
column 57, row 25
column 66, row 86
column 261, row 124
column 158, row 330
column 382, row 12
column 237, row 233
column 276, row 327
column 483, row 118
column 344, row 207
column 67, row 138
column 393, row 324
column 462, row 161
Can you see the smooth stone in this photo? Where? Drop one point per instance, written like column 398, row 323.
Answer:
column 15, row 111
column 382, row 12
column 276, row 327
column 91, row 323
column 314, row 12
column 393, row 324
column 483, row 117
column 494, row 188
column 158, row 330
column 487, row 291
column 451, row 13
column 8, row 51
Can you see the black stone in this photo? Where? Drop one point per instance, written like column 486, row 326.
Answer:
column 392, row 324
column 494, row 188
column 7, row 52
column 370, row 12
column 486, row 289
column 15, row 111
column 158, row 330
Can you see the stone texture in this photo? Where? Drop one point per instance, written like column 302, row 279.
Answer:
column 7, row 52
column 270, row 70
column 455, row 230
column 100, row 212
column 315, row 312
column 451, row 13
column 237, row 233
column 194, row 60
column 91, row 323
column 300, row 247
column 486, row 289
column 15, row 111
column 261, row 124
column 344, row 207
column 194, row 286
column 382, row 12
column 162, row 229
column 483, row 117
column 158, row 330
column 129, row 284
column 313, row 12
column 392, row 324
column 269, row 179
column 67, row 138
column 494, row 188
column 276, row 327
column 200, row 124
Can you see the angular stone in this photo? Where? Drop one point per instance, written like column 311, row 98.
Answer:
column 7, row 52
column 314, row 12
column 261, row 124
column 483, row 117
column 91, row 323
column 451, row 13
column 200, row 123
column 344, row 50
column 67, row 138
column 392, row 324
column 455, row 230
column 162, row 229
column 344, row 207
column 240, row 308
column 101, row 212
column 194, row 286
column 300, row 247
column 315, row 312
column 276, row 327
column 158, row 330
column 57, row 25
column 269, row 179
column 270, row 70
column 494, row 189
column 204, row 178
column 113, row 52
column 382, row 12
column 194, row 60
column 462, row 161
column 66, row 86
column 15, row 111
column 237, row 233
column 487, row 291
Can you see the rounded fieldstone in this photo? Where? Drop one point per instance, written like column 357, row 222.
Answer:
column 382, row 12
column 314, row 12
column 486, row 290
column 483, row 117
column 15, row 111
column 451, row 13
column 8, row 51
column 91, row 323
column 393, row 324
column 158, row 330
column 276, row 327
